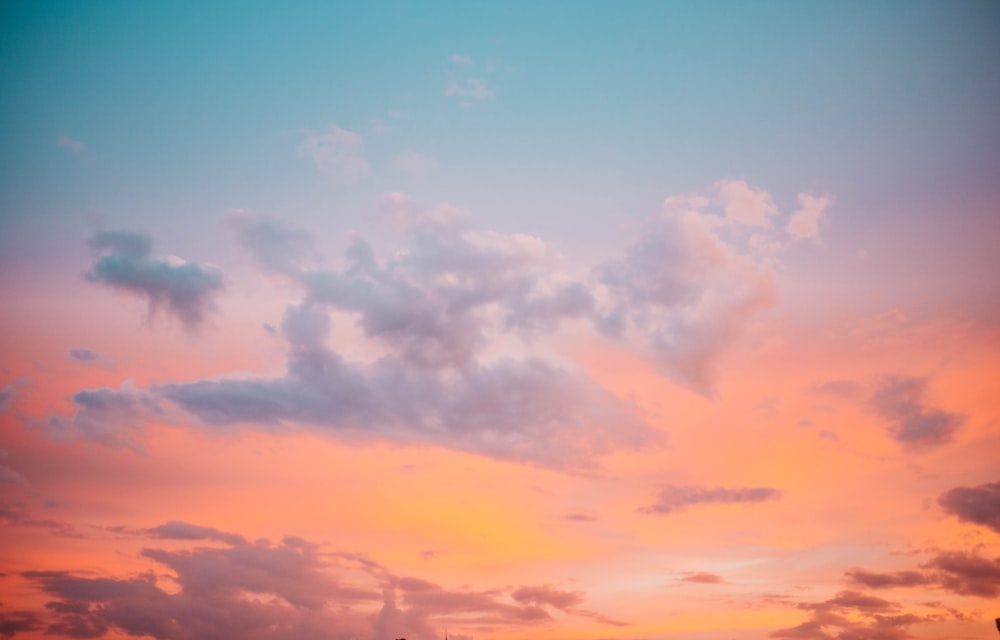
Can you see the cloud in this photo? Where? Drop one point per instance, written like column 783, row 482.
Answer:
column 107, row 416
column 126, row 263
column 275, row 247
column 338, row 153
column 460, row 59
column 90, row 356
column 804, row 222
column 414, row 163
column 17, row 621
column 473, row 88
column 960, row 572
column 684, row 292
column 66, row 142
column 851, row 615
column 840, row 388
column 745, row 204
column 703, row 577
column 979, row 505
column 673, row 499
column 177, row 530
column 7, row 395
column 899, row 400
column 270, row 591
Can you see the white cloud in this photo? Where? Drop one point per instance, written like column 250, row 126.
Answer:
column 460, row 59
column 337, row 152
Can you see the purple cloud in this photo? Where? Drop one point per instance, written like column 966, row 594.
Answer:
column 899, row 400
column 126, row 263
column 978, row 505
column 673, row 499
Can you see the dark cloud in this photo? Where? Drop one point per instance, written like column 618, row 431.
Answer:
column 979, row 504
column 176, row 530
column 126, row 262
column 673, row 498
column 960, row 572
column 899, row 400
column 272, row 591
column 17, row 515
column 14, row 622
column 852, row 615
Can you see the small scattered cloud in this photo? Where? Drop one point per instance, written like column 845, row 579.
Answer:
column 805, row 221
column 414, row 163
column 66, row 142
column 473, row 88
column 460, row 59
column 962, row 572
column 899, row 400
column 337, row 152
column 126, row 262
column 703, row 577
column 112, row 417
column 178, row 530
column 89, row 356
column 847, row 389
column 978, row 505
column 580, row 517
column 745, row 204
column 7, row 395
column 676, row 498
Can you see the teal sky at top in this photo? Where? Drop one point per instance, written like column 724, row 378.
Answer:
column 187, row 109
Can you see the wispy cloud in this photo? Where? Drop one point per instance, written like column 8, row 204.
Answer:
column 66, row 142
column 805, row 221
column 675, row 498
column 899, row 401
column 473, row 88
column 461, row 59
column 337, row 152
column 414, row 163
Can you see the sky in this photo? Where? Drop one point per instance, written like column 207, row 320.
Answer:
column 505, row 321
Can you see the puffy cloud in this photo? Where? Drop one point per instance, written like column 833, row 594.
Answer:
column 804, row 222
column 338, row 153
column 979, row 504
column 684, row 293
column 527, row 411
column 899, row 400
column 672, row 499
column 275, row 247
column 184, row 289
column 107, row 416
column 745, row 204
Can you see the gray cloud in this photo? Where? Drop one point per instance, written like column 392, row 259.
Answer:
column 126, row 263
column 851, row 615
column 16, row 621
column 90, row 356
column 979, row 505
column 703, row 577
column 672, row 499
column 107, row 416
column 899, row 400
column 960, row 572
column 271, row 591
column 7, row 395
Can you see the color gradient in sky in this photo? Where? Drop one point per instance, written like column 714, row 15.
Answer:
column 511, row 321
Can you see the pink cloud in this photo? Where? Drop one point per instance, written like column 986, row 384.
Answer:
column 746, row 204
column 804, row 222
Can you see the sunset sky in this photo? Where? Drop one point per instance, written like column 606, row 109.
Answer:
column 511, row 321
